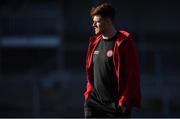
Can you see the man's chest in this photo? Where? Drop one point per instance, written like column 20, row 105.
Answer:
column 103, row 52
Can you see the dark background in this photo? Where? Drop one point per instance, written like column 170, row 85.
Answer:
column 43, row 48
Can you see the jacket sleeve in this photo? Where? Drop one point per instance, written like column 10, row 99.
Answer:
column 89, row 89
column 131, row 96
column 89, row 86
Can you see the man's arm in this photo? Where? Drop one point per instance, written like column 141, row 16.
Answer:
column 89, row 89
column 131, row 95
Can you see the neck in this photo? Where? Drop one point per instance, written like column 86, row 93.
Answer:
column 110, row 33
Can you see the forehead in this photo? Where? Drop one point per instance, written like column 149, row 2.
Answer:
column 97, row 18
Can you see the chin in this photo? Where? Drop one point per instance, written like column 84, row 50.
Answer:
column 97, row 33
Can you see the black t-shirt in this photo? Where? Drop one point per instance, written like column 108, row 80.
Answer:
column 105, row 80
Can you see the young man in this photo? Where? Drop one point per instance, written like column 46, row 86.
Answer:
column 113, row 74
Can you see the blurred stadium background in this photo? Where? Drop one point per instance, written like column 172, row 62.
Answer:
column 43, row 47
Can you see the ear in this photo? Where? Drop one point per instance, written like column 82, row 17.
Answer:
column 109, row 21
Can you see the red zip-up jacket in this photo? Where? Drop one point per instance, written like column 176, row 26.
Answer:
column 126, row 64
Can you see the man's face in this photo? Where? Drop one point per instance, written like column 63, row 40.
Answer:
column 99, row 24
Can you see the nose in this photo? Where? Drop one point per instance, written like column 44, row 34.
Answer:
column 94, row 24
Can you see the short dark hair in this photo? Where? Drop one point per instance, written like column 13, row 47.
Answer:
column 105, row 10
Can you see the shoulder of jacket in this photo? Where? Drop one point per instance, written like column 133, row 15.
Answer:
column 125, row 33
column 123, row 37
